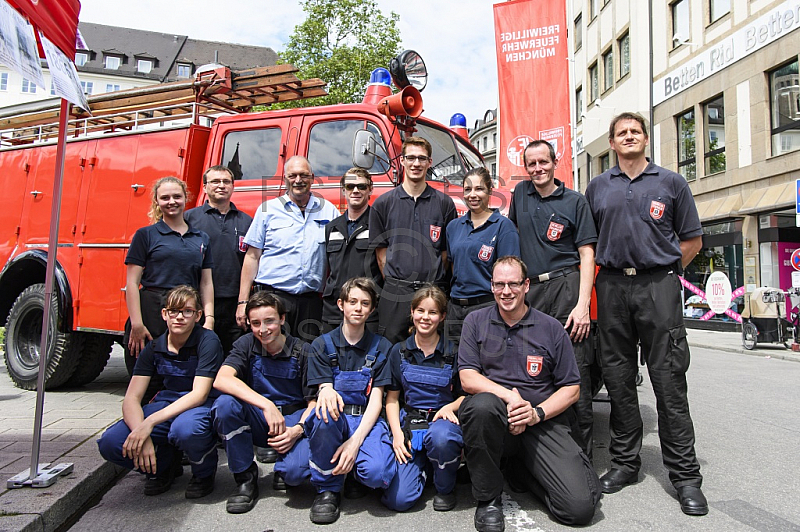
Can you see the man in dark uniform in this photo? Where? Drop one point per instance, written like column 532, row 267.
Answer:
column 557, row 237
column 226, row 226
column 513, row 357
column 648, row 230
column 408, row 231
column 347, row 247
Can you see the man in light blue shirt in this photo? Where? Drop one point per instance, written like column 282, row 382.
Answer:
column 287, row 251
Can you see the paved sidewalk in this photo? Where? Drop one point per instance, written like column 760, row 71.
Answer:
column 74, row 418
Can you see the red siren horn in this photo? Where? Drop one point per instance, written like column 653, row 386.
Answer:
column 406, row 102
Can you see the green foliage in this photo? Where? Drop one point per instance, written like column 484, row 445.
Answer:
column 341, row 42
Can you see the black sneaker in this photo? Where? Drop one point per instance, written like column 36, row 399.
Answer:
column 325, row 509
column 244, row 498
column 160, row 483
column 266, row 455
column 353, row 489
column 278, row 484
column 199, row 487
column 444, row 502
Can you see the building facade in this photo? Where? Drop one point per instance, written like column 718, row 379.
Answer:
column 484, row 137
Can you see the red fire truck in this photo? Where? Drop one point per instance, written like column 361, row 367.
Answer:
column 130, row 139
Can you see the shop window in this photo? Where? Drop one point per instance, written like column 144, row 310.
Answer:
column 578, row 32
column 330, row 144
column 686, row 146
column 680, row 22
column 784, row 88
column 579, row 104
column 714, row 125
column 608, row 70
column 624, row 47
column 593, row 83
column 718, row 9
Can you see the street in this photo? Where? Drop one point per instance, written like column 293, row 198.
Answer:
column 747, row 423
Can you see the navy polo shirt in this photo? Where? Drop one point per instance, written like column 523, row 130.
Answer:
column 226, row 239
column 534, row 355
column 246, row 348
column 202, row 343
column 552, row 228
column 414, row 233
column 473, row 252
column 641, row 221
column 351, row 358
column 169, row 259
column 415, row 356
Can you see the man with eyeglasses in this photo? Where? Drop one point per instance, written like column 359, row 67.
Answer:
column 408, row 233
column 347, row 248
column 557, row 239
column 517, row 363
column 286, row 256
column 226, row 226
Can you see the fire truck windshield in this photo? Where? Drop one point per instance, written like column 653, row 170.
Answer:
column 451, row 159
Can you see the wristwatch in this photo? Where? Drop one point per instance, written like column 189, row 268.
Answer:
column 539, row 413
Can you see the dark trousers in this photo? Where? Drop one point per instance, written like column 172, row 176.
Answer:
column 303, row 312
column 559, row 472
column 557, row 297
column 394, row 309
column 646, row 308
column 225, row 321
column 454, row 321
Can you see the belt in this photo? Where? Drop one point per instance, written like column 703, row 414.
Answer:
column 259, row 287
column 554, row 274
column 427, row 413
column 156, row 290
column 289, row 409
column 354, row 410
column 629, row 272
column 416, row 285
column 472, row 300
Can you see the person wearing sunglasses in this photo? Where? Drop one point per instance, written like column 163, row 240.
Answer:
column 347, row 248
column 151, row 439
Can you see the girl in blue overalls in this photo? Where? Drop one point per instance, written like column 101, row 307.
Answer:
column 152, row 438
column 347, row 434
column 425, row 431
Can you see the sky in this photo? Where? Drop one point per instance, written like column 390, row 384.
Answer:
column 456, row 39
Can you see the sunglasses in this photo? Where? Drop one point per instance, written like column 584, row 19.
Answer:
column 360, row 186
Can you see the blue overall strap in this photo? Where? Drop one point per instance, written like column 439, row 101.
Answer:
column 372, row 352
column 297, row 348
column 333, row 354
column 449, row 357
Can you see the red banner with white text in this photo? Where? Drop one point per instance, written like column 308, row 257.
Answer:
column 533, row 79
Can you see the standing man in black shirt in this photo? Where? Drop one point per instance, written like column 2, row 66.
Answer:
column 648, row 230
column 407, row 228
column 226, row 226
column 347, row 248
column 557, row 238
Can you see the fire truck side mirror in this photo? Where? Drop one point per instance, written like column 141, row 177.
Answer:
column 364, row 149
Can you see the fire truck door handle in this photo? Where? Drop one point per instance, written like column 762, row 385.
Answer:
column 35, row 193
column 136, row 187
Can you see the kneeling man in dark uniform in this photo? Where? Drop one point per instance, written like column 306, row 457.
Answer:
column 519, row 365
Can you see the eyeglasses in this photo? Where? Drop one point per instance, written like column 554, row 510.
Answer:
column 414, row 158
column 360, row 186
column 187, row 312
column 292, row 177
column 218, row 182
column 513, row 286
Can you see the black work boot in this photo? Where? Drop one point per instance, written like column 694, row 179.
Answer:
column 325, row 509
column 266, row 455
column 200, row 487
column 245, row 496
column 489, row 516
column 162, row 480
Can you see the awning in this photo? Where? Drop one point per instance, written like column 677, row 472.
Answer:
column 770, row 199
column 720, row 208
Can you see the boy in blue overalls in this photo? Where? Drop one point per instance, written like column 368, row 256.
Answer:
column 265, row 402
column 152, row 438
column 349, row 364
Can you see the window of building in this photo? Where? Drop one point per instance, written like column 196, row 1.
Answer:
column 330, row 144
column 494, row 173
column 579, row 104
column 87, row 86
column 28, row 86
column 110, row 87
column 593, row 83
column 718, row 8
column 784, row 88
column 485, row 143
column 578, row 32
column 714, row 125
column 605, row 162
column 494, row 140
column 144, row 66
column 624, row 46
column 608, row 69
column 112, row 62
column 680, row 22
column 52, row 88
column 686, row 146
column 184, row 70
column 81, row 58
column 4, row 81
column 593, row 9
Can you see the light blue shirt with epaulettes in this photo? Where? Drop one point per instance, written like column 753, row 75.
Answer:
column 292, row 243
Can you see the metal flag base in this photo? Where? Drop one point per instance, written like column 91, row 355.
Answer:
column 47, row 476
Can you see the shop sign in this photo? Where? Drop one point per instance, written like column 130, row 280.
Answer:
column 718, row 292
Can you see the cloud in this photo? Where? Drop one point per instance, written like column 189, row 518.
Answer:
column 456, row 38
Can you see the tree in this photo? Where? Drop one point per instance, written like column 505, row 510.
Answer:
column 341, row 42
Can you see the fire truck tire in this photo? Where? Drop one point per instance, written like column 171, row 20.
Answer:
column 23, row 338
column 95, row 352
